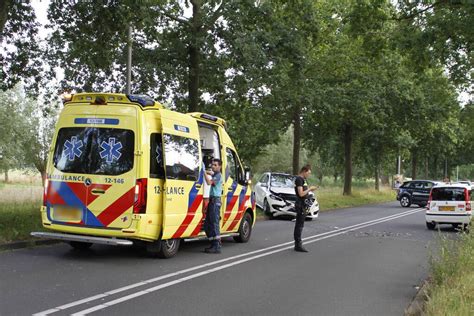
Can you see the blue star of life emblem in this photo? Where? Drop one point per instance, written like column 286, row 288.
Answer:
column 110, row 150
column 72, row 148
column 158, row 154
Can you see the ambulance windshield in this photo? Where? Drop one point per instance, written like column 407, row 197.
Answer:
column 91, row 150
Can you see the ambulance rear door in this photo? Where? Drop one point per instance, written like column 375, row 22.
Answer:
column 110, row 175
column 182, row 190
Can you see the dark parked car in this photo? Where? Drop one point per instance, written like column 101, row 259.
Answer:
column 415, row 192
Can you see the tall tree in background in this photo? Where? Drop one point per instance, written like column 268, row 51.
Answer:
column 441, row 31
column 11, row 154
column 175, row 56
column 19, row 49
column 298, row 31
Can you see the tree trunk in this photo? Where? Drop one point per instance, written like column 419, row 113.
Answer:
column 320, row 178
column 335, row 176
column 43, row 176
column 377, row 173
column 427, row 175
column 447, row 167
column 194, row 57
column 434, row 171
column 296, row 140
column 6, row 175
column 347, row 159
column 4, row 8
column 414, row 163
column 384, row 179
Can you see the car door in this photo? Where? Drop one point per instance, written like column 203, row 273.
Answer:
column 426, row 191
column 182, row 189
column 231, row 187
column 260, row 189
column 236, row 196
column 417, row 191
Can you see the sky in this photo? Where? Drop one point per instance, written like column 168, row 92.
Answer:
column 41, row 8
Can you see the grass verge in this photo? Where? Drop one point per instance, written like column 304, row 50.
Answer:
column 332, row 198
column 451, row 291
column 18, row 219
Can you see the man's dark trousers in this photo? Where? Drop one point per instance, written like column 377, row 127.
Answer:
column 299, row 224
column 211, row 225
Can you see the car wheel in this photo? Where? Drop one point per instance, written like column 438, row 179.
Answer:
column 245, row 229
column 430, row 225
column 80, row 245
column 266, row 208
column 405, row 201
column 163, row 248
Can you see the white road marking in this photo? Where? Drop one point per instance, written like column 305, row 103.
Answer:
column 308, row 240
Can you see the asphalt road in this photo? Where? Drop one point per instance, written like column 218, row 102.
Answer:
column 362, row 261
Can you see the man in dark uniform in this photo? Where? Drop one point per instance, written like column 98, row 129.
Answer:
column 213, row 214
column 302, row 190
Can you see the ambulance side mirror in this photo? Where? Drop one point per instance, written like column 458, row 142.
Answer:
column 247, row 175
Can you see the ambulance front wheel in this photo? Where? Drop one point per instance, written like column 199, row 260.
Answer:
column 245, row 229
column 163, row 248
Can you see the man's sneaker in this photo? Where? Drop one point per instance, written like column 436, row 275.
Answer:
column 212, row 250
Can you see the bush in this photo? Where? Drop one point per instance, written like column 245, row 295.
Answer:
column 451, row 290
column 17, row 220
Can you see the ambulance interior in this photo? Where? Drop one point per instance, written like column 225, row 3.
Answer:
column 209, row 145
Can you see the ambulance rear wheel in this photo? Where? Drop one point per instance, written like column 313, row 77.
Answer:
column 80, row 245
column 163, row 248
column 245, row 229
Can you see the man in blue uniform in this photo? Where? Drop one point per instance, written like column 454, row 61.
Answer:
column 212, row 223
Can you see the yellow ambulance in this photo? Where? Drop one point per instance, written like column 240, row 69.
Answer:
column 123, row 170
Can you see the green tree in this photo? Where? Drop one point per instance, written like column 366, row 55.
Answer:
column 439, row 31
column 19, row 47
column 11, row 154
column 38, row 125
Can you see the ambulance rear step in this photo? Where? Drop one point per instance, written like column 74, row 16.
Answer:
column 205, row 238
column 80, row 238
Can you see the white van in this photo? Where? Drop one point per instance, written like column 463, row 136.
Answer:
column 449, row 204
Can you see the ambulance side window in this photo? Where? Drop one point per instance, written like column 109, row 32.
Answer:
column 232, row 167
column 156, row 156
column 181, row 157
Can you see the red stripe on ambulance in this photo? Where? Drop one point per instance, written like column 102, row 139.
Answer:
column 54, row 198
column 114, row 210
column 189, row 216
column 240, row 214
column 230, row 207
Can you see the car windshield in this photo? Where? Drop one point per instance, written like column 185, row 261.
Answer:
column 448, row 194
column 282, row 181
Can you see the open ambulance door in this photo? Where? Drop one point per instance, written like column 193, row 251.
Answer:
column 182, row 189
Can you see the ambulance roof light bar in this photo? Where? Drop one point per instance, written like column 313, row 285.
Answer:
column 209, row 117
column 66, row 97
column 141, row 99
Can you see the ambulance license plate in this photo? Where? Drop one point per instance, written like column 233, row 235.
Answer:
column 446, row 208
column 70, row 214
